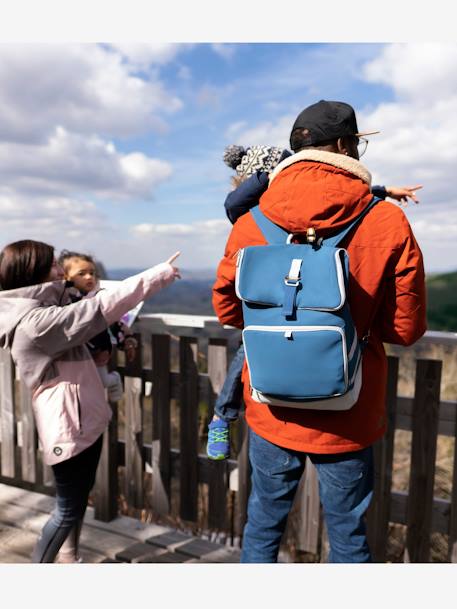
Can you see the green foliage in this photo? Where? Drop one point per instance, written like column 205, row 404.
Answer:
column 442, row 302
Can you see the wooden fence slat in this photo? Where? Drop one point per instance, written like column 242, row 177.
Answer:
column 218, row 480
column 7, row 415
column 452, row 547
column 188, row 429
column 161, row 426
column 244, row 474
column 106, row 487
column 423, row 453
column 29, row 436
column 133, row 402
column 379, row 512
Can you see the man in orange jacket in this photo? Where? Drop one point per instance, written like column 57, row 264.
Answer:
column 323, row 185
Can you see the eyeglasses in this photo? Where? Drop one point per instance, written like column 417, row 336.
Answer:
column 362, row 144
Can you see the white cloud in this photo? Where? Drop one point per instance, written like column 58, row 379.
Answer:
column 420, row 73
column 61, row 221
column 264, row 134
column 143, row 55
column 201, row 243
column 71, row 163
column 227, row 51
column 86, row 88
column 203, row 228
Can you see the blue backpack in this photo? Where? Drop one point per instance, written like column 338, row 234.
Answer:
column 301, row 344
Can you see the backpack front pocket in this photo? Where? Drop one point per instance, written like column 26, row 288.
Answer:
column 300, row 362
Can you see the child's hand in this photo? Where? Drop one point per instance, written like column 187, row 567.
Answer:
column 403, row 193
column 175, row 269
column 101, row 358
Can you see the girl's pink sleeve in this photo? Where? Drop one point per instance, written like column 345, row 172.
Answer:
column 114, row 302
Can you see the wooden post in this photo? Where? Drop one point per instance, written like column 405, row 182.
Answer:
column 452, row 553
column 161, row 429
column 106, row 487
column 218, row 478
column 7, row 415
column 379, row 512
column 188, row 429
column 244, row 474
column 29, row 436
column 423, row 453
column 133, row 392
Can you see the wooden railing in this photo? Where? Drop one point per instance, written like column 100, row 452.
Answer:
column 154, row 460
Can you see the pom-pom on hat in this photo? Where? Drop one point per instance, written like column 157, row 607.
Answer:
column 246, row 161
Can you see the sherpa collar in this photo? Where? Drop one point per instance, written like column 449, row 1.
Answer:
column 322, row 156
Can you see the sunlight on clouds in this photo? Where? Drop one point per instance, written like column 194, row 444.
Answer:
column 200, row 229
column 102, row 95
column 227, row 51
column 57, row 220
column 143, row 170
column 418, row 72
column 265, row 134
column 146, row 54
column 73, row 162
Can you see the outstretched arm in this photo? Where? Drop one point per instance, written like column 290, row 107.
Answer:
column 400, row 193
column 55, row 329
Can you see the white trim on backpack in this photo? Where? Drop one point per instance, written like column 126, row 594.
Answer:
column 339, row 274
column 288, row 331
column 343, row 402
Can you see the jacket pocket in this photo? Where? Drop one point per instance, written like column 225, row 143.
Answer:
column 58, row 413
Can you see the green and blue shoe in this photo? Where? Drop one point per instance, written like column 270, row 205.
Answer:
column 218, row 446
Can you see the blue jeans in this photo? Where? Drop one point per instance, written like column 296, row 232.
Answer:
column 74, row 479
column 345, row 487
column 228, row 402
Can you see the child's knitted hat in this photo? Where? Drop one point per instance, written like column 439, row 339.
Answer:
column 246, row 161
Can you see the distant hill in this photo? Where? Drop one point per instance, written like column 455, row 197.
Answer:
column 189, row 296
column 192, row 295
column 442, row 302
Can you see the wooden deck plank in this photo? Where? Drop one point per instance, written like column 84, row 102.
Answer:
column 23, row 514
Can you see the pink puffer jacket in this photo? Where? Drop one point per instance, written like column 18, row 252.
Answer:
column 47, row 342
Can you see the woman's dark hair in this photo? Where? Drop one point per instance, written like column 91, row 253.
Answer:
column 25, row 263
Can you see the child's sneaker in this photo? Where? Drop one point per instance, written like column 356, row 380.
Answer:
column 218, row 446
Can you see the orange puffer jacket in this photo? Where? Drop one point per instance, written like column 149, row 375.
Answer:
column 325, row 190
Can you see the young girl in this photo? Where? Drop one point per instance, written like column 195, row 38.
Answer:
column 47, row 335
column 81, row 270
column 253, row 166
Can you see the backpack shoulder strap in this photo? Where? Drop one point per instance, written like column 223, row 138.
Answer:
column 271, row 231
column 336, row 238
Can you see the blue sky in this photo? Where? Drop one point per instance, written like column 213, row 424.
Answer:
column 123, row 159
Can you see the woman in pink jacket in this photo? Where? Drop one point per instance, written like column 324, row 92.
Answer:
column 47, row 334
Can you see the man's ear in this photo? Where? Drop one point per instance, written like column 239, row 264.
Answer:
column 341, row 144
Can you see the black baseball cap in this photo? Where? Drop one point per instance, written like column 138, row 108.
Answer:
column 328, row 120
